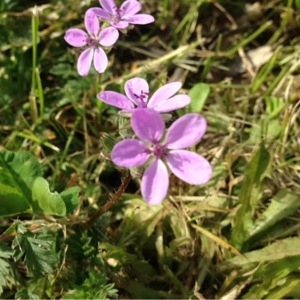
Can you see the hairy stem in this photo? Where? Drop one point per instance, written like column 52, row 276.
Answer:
column 109, row 203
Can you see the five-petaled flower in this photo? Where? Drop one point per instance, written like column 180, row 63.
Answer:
column 94, row 40
column 153, row 150
column 121, row 17
column 137, row 96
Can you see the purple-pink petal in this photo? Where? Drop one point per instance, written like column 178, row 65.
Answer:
column 76, row 37
column 108, row 36
column 100, row 60
column 129, row 153
column 91, row 22
column 140, row 19
column 173, row 103
column 164, row 93
column 119, row 24
column 189, row 166
column 108, row 5
column 148, row 125
column 84, row 62
column 136, row 87
column 101, row 13
column 155, row 183
column 115, row 99
column 130, row 8
column 186, row 131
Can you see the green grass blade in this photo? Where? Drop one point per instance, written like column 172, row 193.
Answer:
column 282, row 205
column 32, row 98
column 248, row 196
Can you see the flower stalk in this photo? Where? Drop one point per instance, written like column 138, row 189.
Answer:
column 106, row 207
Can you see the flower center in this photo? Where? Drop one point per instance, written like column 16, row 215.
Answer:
column 157, row 150
column 92, row 42
column 142, row 99
column 117, row 14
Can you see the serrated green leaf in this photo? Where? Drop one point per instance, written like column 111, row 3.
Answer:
column 5, row 253
column 45, row 202
column 18, row 170
column 38, row 250
column 25, row 293
column 249, row 194
column 95, row 286
column 198, row 94
column 4, row 272
column 71, row 198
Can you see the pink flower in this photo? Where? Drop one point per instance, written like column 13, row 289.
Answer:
column 123, row 16
column 154, row 151
column 94, row 39
column 137, row 96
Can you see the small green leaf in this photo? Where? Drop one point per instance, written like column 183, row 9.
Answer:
column 71, row 198
column 266, row 128
column 198, row 94
column 45, row 202
column 18, row 170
